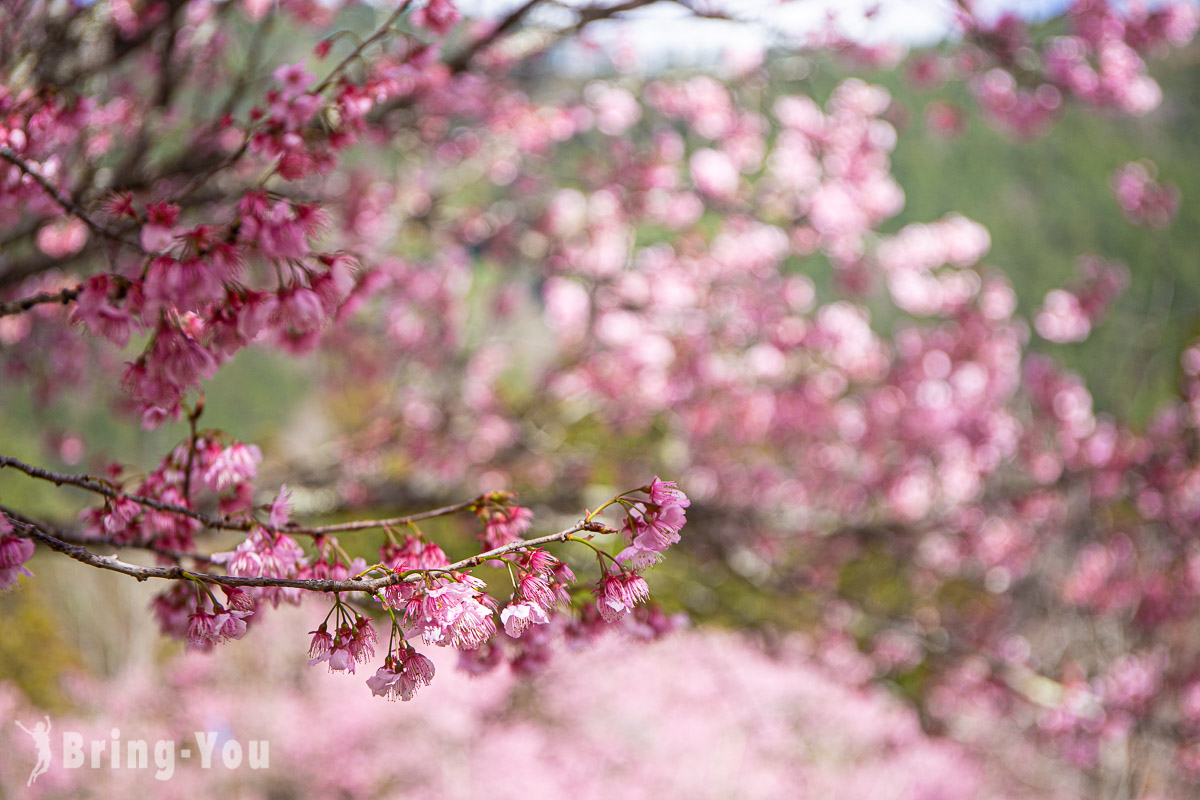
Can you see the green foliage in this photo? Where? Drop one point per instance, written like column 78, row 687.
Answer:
column 1045, row 202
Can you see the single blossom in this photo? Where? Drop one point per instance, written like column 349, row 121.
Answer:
column 158, row 232
column 617, row 594
column 294, row 79
column 438, row 16
column 351, row 645
column 667, row 493
column 516, row 617
column 281, row 508
column 401, row 675
column 14, row 552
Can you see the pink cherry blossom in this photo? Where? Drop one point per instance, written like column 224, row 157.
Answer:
column 504, row 525
column 1141, row 198
column 439, row 16
column 402, row 675
column 234, row 465
column 714, row 173
column 617, row 594
column 63, row 238
column 293, row 78
column 14, row 552
column 452, row 612
column 517, row 617
column 281, row 508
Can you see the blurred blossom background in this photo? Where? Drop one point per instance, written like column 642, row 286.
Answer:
column 918, row 344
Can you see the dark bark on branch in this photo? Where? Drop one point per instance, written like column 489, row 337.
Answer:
column 83, row 555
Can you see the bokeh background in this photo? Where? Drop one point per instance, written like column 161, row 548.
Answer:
column 740, row 703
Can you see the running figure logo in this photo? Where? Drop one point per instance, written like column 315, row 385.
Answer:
column 41, row 740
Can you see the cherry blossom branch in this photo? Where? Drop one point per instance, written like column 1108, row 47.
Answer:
column 392, row 522
column 199, row 180
column 71, row 537
column 67, row 204
column 98, row 486
column 582, row 526
column 36, row 532
column 64, row 297
column 374, row 37
column 61, row 297
column 463, row 60
column 701, row 13
column 192, row 417
column 590, row 14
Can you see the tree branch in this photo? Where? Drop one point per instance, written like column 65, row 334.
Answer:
column 72, row 537
column 374, row 37
column 463, row 60
column 101, row 487
column 254, row 51
column 111, row 563
column 65, row 202
column 393, row 522
column 41, row 298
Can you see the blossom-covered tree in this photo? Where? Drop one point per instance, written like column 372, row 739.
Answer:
column 556, row 285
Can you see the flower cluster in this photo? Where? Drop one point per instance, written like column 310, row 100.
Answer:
column 452, row 612
column 402, row 674
column 502, row 522
column 544, row 585
column 427, row 599
column 352, row 642
column 1142, row 199
column 1068, row 315
column 653, row 526
column 210, row 460
column 1099, row 62
column 893, row 459
column 267, row 553
column 192, row 613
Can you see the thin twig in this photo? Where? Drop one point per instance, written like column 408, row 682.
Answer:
column 101, row 487
column 702, row 14
column 374, row 37
column 250, row 66
column 193, row 417
column 63, row 297
column 463, row 60
column 203, row 178
column 72, row 537
column 367, row 586
column 68, row 205
column 394, row 522
column 590, row 14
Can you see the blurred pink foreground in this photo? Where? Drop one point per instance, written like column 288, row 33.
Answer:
column 711, row 716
